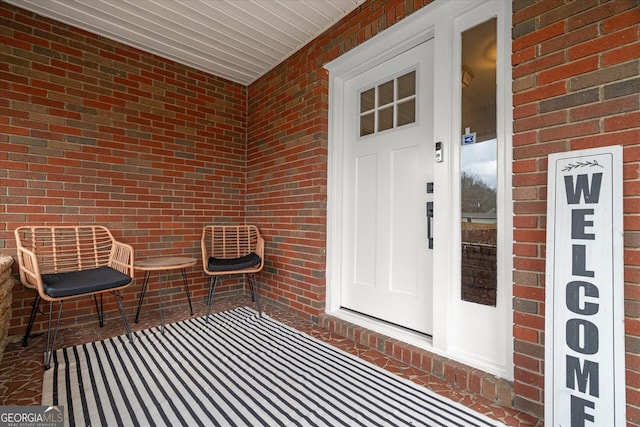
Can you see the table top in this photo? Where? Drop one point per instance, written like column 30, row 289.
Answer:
column 164, row 263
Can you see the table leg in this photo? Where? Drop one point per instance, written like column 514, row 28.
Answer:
column 145, row 282
column 186, row 289
column 163, row 298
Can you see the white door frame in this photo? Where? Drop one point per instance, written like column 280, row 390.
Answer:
column 440, row 19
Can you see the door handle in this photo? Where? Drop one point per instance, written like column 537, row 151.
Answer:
column 430, row 224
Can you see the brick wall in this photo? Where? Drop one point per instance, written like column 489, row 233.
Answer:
column 576, row 85
column 92, row 131
column 6, row 300
column 478, row 263
column 479, row 273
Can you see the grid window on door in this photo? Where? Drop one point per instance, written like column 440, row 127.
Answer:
column 388, row 105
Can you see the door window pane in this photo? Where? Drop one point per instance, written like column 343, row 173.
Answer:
column 407, row 85
column 367, row 100
column 478, row 163
column 385, row 93
column 385, row 119
column 407, row 112
column 367, row 123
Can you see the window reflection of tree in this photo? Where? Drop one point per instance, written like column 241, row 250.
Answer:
column 477, row 197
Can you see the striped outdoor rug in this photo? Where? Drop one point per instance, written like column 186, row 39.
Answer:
column 237, row 370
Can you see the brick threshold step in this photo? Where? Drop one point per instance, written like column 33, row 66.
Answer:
column 455, row 374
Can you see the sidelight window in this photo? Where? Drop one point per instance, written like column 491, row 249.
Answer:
column 478, row 163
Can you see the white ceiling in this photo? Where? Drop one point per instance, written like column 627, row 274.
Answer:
column 239, row 40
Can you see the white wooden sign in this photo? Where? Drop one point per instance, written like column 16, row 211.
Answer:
column 584, row 336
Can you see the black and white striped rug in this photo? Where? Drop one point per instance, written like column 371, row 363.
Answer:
column 237, row 370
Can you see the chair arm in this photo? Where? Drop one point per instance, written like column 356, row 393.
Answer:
column 29, row 267
column 204, row 250
column 260, row 249
column 121, row 258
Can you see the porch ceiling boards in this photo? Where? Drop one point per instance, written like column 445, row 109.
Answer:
column 239, row 40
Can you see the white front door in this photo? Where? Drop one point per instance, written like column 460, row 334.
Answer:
column 388, row 162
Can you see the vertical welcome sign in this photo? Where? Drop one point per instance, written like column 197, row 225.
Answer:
column 584, row 336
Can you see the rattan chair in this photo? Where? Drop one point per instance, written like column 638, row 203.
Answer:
column 65, row 262
column 232, row 249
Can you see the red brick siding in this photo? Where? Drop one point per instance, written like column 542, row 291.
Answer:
column 576, row 85
column 92, row 131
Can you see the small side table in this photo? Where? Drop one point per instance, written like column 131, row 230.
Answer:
column 165, row 264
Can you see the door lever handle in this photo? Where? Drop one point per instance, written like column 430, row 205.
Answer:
column 430, row 224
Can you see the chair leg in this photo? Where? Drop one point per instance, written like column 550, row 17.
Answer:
column 255, row 294
column 32, row 318
column 123, row 314
column 99, row 309
column 251, row 290
column 51, row 343
column 213, row 282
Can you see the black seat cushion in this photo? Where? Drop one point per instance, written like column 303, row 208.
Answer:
column 231, row 264
column 81, row 282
